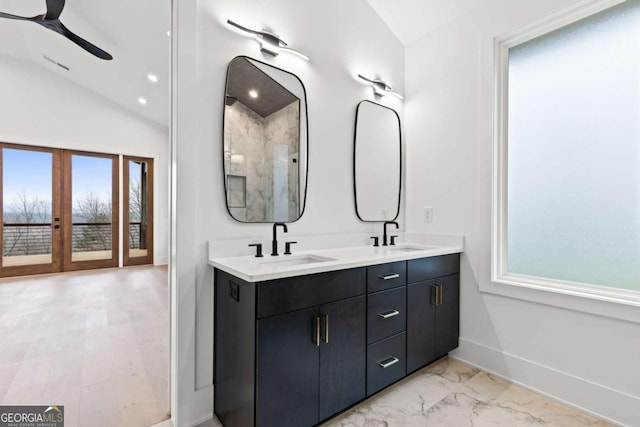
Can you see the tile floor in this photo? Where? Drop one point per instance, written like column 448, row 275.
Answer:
column 96, row 342
column 449, row 393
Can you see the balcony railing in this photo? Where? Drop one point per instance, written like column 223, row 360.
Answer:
column 26, row 239
column 36, row 239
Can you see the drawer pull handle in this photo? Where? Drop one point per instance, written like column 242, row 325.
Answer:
column 388, row 314
column 389, row 362
column 389, row 277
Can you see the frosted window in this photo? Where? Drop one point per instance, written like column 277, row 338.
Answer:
column 573, row 209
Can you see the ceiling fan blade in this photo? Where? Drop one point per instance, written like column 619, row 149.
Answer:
column 89, row 47
column 54, row 9
column 9, row 16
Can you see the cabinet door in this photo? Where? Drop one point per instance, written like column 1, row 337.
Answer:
column 421, row 325
column 448, row 315
column 343, row 357
column 288, row 370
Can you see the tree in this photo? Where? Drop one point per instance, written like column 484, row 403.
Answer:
column 92, row 219
column 136, row 232
column 26, row 240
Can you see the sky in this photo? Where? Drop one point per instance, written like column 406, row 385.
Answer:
column 31, row 171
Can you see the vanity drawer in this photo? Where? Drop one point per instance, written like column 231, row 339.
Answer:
column 294, row 293
column 386, row 362
column 430, row 268
column 386, row 314
column 386, row 276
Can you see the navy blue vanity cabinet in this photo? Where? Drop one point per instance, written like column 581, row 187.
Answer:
column 308, row 359
column 296, row 351
column 386, row 325
column 433, row 309
column 311, row 363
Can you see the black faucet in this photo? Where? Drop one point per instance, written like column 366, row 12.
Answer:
column 384, row 236
column 274, row 243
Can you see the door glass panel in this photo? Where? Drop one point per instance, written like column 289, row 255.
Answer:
column 27, row 207
column 91, row 201
column 138, row 217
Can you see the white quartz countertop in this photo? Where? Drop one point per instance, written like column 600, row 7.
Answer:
column 254, row 269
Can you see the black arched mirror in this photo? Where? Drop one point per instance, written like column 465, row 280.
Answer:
column 265, row 143
column 377, row 162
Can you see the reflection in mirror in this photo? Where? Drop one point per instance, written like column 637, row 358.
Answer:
column 265, row 143
column 377, row 162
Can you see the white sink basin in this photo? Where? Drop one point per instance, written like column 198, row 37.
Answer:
column 290, row 261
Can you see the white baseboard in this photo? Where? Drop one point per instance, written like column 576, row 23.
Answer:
column 161, row 260
column 201, row 420
column 165, row 423
column 614, row 406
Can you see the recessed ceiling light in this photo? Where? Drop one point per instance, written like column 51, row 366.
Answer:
column 168, row 33
column 253, row 93
column 142, row 101
column 152, row 78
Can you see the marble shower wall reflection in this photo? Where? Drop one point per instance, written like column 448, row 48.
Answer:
column 261, row 160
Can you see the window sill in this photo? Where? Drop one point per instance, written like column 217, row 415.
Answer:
column 609, row 302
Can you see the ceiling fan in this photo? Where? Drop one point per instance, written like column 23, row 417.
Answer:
column 51, row 21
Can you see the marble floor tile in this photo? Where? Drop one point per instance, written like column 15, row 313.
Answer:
column 451, row 393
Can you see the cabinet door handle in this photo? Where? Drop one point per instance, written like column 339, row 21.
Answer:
column 317, row 340
column 440, row 293
column 326, row 329
column 388, row 362
column 388, row 314
column 434, row 295
column 389, row 277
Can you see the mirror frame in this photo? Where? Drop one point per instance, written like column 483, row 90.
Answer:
column 355, row 153
column 306, row 117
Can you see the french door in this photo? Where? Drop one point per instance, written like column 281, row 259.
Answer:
column 31, row 210
column 90, row 210
column 59, row 210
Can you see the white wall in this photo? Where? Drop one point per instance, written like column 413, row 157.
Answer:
column 587, row 360
column 40, row 108
column 342, row 39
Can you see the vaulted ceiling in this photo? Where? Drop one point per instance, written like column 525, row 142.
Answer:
column 410, row 20
column 133, row 32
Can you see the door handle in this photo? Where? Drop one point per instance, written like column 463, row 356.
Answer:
column 389, row 277
column 434, row 295
column 388, row 362
column 388, row 314
column 440, row 293
column 317, row 334
column 326, row 329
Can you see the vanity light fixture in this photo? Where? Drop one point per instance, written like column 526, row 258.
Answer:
column 269, row 43
column 380, row 87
